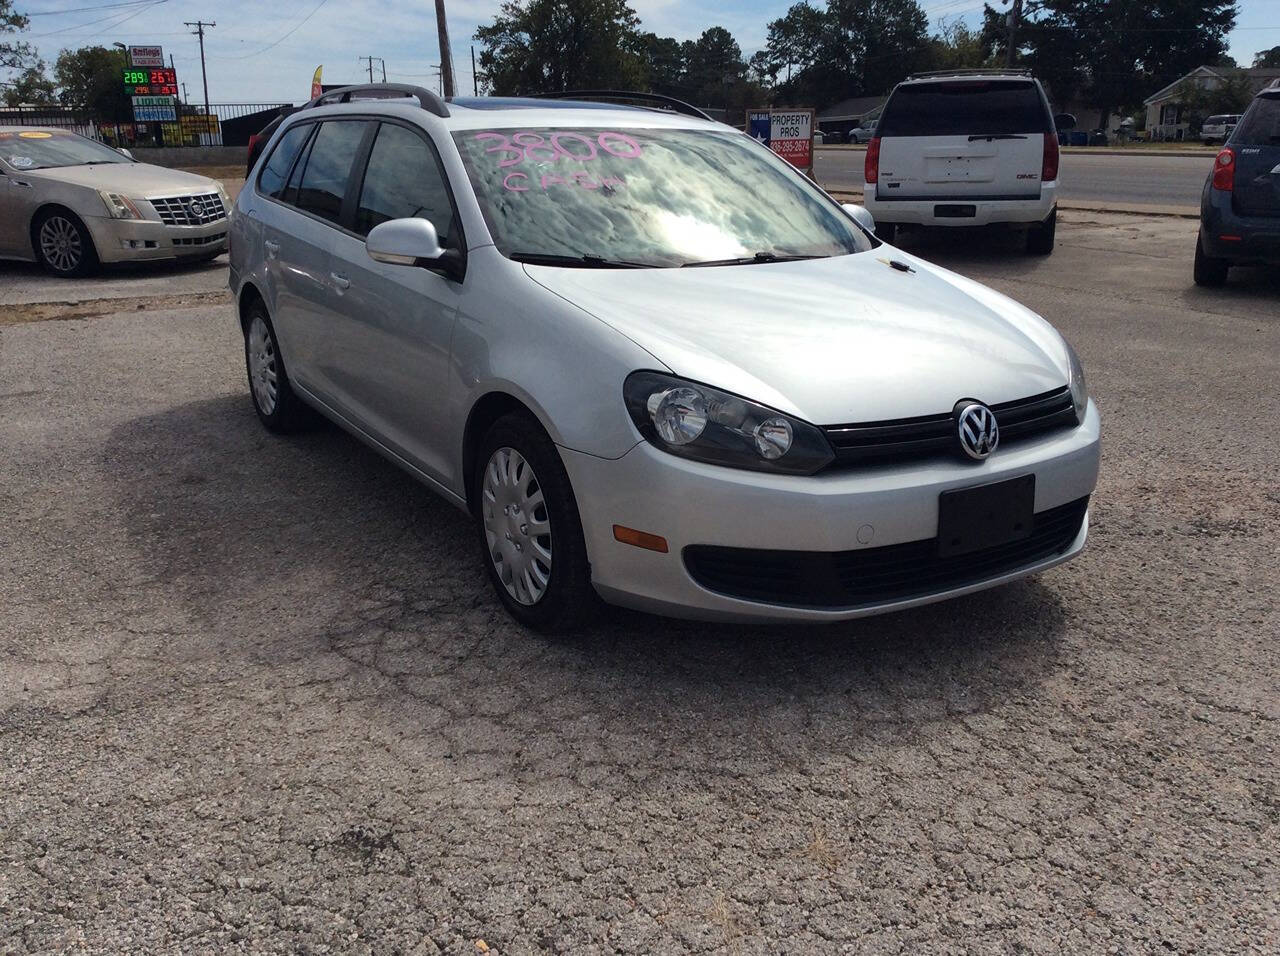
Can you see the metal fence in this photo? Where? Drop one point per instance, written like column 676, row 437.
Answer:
column 226, row 124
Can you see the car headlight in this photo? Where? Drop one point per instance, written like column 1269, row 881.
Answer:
column 1079, row 388
column 705, row 424
column 119, row 206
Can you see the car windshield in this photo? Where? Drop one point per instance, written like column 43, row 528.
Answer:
column 965, row 108
column 47, row 149
column 1261, row 125
column 647, row 197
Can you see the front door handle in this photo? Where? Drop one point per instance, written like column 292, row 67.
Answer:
column 273, row 248
column 342, row 282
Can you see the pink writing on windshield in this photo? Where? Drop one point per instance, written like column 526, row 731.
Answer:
column 518, row 182
column 527, row 147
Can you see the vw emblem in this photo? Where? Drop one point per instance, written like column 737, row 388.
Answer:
column 977, row 429
column 196, row 209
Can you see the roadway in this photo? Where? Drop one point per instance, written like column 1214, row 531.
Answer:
column 1086, row 177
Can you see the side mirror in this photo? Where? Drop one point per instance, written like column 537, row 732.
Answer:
column 1064, row 122
column 413, row 242
column 124, row 152
column 861, row 216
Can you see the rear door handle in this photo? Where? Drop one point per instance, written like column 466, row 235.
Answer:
column 342, row 282
column 273, row 248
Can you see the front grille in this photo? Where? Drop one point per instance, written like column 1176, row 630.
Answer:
column 909, row 438
column 869, row 576
column 199, row 240
column 189, row 210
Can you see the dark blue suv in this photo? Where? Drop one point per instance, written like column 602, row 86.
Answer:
column 1240, row 208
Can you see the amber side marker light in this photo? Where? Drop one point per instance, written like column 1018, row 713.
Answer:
column 640, row 539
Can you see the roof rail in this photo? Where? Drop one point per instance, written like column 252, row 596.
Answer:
column 383, row 91
column 973, row 71
column 670, row 103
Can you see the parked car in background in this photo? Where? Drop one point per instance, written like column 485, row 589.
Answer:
column 1240, row 205
column 259, row 140
column 966, row 148
column 863, row 133
column 71, row 203
column 1217, row 129
column 654, row 395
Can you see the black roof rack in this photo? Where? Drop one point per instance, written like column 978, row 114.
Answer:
column 972, row 71
column 383, row 91
column 670, row 103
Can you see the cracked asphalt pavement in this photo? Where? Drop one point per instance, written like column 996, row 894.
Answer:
column 255, row 693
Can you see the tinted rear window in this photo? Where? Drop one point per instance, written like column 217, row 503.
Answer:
column 984, row 108
column 1261, row 125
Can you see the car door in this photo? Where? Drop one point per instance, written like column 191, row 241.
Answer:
column 299, row 234
column 967, row 139
column 1256, row 144
column 395, row 325
column 17, row 201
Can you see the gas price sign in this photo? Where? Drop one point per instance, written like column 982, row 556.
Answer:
column 159, row 81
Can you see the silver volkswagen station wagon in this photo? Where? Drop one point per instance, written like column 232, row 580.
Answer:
column 652, row 361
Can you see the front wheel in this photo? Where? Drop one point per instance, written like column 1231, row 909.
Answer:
column 530, row 534
column 1209, row 271
column 63, row 245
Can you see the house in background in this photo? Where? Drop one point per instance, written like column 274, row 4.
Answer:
column 1167, row 115
column 841, row 117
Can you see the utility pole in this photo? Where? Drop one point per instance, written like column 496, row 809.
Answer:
column 1015, row 16
column 475, row 81
column 370, row 60
column 184, row 94
column 200, row 26
column 446, row 55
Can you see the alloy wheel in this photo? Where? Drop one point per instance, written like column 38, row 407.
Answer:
column 517, row 526
column 262, row 365
column 60, row 244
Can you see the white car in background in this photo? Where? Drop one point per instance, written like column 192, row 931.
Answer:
column 966, row 148
column 70, row 203
column 863, row 132
column 1217, row 129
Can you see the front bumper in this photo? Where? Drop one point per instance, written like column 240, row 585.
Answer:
column 138, row 240
column 924, row 212
column 689, row 503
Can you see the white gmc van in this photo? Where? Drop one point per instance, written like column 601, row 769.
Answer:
column 971, row 148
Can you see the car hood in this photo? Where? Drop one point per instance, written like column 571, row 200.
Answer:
column 138, row 180
column 833, row 341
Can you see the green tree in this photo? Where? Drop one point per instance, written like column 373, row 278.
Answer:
column 547, row 45
column 91, row 79
column 958, row 46
column 1267, row 59
column 1113, row 53
column 663, row 64
column 1233, row 95
column 14, row 55
column 850, row 48
column 31, row 86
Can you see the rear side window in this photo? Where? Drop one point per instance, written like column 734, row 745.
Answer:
column 403, row 181
column 1261, row 125
column 276, row 169
column 324, row 181
column 970, row 108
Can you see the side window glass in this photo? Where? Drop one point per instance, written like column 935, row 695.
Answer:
column 324, row 181
column 290, row 194
column 403, row 181
column 276, row 169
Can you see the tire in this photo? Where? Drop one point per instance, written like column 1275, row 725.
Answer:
column 1041, row 238
column 517, row 467
column 62, row 244
column 274, row 399
column 887, row 232
column 1209, row 272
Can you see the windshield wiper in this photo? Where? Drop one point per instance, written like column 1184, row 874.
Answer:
column 577, row 262
column 991, row 136
column 750, row 260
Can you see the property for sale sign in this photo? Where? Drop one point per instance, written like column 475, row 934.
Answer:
column 789, row 133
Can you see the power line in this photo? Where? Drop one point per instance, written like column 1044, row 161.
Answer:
column 115, row 19
column 291, row 32
column 102, row 6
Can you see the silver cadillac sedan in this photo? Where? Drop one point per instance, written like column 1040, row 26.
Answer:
column 653, row 362
column 70, row 203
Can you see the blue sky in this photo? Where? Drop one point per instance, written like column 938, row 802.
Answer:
column 261, row 53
